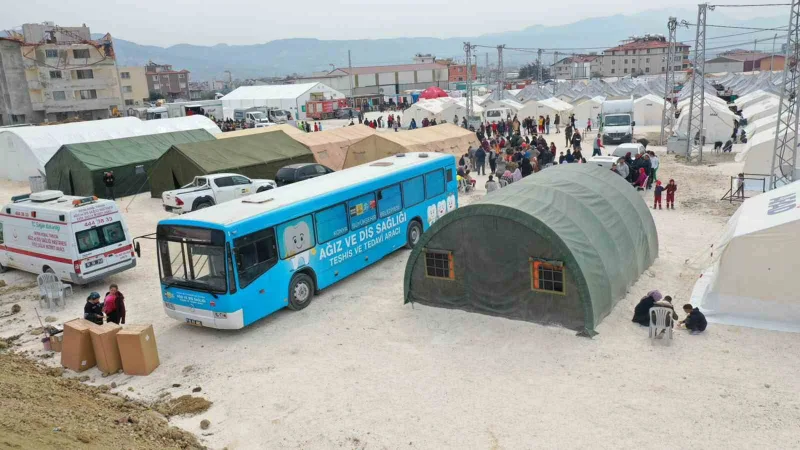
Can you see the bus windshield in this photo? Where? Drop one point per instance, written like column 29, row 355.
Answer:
column 193, row 260
column 622, row 120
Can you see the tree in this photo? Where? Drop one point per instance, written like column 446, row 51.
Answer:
column 531, row 70
column 155, row 96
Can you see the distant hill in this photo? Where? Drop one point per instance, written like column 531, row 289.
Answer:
column 303, row 56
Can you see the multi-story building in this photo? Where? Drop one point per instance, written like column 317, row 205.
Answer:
column 458, row 72
column 645, row 55
column 133, row 84
column 744, row 61
column 577, row 67
column 171, row 84
column 372, row 83
column 50, row 73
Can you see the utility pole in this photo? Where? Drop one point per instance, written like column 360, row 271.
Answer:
column 555, row 78
column 468, row 50
column 695, row 126
column 501, row 73
column 539, row 63
column 486, row 76
column 350, row 79
column 784, row 156
column 668, row 114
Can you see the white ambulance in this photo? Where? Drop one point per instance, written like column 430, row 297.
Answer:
column 80, row 239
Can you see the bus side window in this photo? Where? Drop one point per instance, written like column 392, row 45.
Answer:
column 255, row 254
column 389, row 201
column 450, row 172
column 362, row 211
column 434, row 183
column 413, row 191
column 331, row 223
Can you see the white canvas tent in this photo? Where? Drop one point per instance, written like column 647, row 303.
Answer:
column 25, row 150
column 757, row 155
column 514, row 106
column 764, row 108
column 648, row 110
column 717, row 121
column 549, row 106
column 291, row 97
column 762, row 124
column 752, row 279
column 588, row 108
column 683, row 105
column 753, row 97
column 441, row 109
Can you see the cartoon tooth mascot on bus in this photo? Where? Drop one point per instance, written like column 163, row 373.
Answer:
column 297, row 240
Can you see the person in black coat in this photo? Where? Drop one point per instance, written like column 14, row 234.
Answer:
column 641, row 314
column 695, row 320
column 525, row 167
column 108, row 180
column 93, row 309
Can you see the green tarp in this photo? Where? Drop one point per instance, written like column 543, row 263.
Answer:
column 77, row 169
column 584, row 216
column 254, row 156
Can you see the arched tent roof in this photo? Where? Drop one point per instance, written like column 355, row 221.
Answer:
column 717, row 121
column 26, row 150
column 648, row 110
column 288, row 129
column 763, row 108
column 593, row 218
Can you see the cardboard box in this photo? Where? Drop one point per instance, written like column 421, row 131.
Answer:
column 77, row 353
column 56, row 342
column 104, row 343
column 137, row 347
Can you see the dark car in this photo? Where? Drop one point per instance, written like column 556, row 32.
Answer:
column 299, row 172
column 344, row 113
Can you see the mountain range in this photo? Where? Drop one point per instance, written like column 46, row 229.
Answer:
column 306, row 55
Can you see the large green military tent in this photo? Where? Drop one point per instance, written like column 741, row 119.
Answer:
column 561, row 246
column 77, row 169
column 254, row 156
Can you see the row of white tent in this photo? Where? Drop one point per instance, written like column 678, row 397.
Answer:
column 25, row 150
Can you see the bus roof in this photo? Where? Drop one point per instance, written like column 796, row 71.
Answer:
column 237, row 210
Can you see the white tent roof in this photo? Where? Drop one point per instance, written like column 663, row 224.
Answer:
column 763, row 108
column 648, row 110
column 762, row 124
column 271, row 91
column 717, row 121
column 555, row 104
column 755, row 96
column 752, row 280
column 25, row 150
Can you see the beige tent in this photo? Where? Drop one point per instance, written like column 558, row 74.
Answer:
column 288, row 129
column 445, row 138
column 331, row 146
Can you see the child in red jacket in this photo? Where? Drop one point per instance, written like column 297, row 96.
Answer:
column 671, row 188
column 657, row 195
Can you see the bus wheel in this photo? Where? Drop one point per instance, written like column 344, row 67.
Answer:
column 301, row 291
column 413, row 234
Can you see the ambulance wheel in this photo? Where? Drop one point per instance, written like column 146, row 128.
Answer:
column 414, row 234
column 301, row 291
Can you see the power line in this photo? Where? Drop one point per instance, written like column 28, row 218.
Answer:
column 732, row 27
column 748, row 6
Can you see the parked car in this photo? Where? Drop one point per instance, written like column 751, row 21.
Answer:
column 344, row 113
column 299, row 172
column 209, row 190
column 633, row 148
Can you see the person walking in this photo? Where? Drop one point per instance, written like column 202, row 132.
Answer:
column 492, row 160
column 568, row 134
column 598, row 144
column 480, row 161
column 547, row 124
column 557, row 123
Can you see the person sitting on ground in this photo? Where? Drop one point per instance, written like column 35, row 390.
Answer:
column 641, row 313
column 561, row 158
column 469, row 178
column 570, row 158
column 491, row 185
column 695, row 321
column 93, row 310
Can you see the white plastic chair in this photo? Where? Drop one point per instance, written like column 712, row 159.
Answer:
column 52, row 290
column 660, row 320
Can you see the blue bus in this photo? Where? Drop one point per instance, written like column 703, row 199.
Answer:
column 232, row 264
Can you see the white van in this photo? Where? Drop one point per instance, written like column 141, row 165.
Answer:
column 498, row 114
column 80, row 239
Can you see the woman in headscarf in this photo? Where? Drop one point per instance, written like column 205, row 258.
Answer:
column 517, row 175
column 525, row 167
column 642, row 179
column 553, row 148
column 641, row 313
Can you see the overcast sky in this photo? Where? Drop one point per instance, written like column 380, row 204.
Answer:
column 208, row 22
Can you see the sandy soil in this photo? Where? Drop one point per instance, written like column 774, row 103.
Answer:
column 359, row 369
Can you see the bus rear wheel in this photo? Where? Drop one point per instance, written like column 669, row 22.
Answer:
column 413, row 234
column 301, row 291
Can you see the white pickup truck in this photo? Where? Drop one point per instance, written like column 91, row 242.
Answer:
column 209, row 190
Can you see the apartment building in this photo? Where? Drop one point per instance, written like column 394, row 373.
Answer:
column 645, row 55
column 172, row 84
column 577, row 67
column 458, row 72
column 133, row 84
column 50, row 74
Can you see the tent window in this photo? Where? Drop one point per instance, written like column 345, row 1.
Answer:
column 439, row 264
column 139, row 170
column 547, row 276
